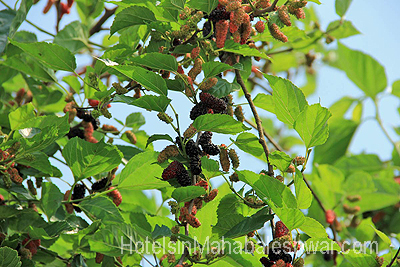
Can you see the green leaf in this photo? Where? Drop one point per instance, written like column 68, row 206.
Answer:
column 223, row 88
column 340, row 107
column 204, row 5
column 359, row 182
column 313, row 228
column 102, row 208
column 52, row 55
column 148, row 102
column 341, row 132
column 107, row 240
column 288, row 99
column 265, row 102
column 280, row 159
column 156, row 61
column 146, row 78
column 368, row 163
column 230, row 212
column 73, row 82
column 134, row 15
column 244, row 50
column 213, row 68
column 187, row 193
column 312, row 125
column 363, row 70
column 27, row 64
column 156, row 137
column 342, row 29
column 141, row 173
column 249, row 224
column 360, row 259
column 384, row 237
column 341, row 6
column 23, row 10
column 160, row 232
column 396, row 88
column 135, row 120
column 51, row 199
column 303, row 193
column 219, row 123
column 6, row 18
column 74, row 37
column 38, row 233
column 21, row 115
column 9, row 257
column 41, row 163
column 87, row 159
column 210, row 167
column 249, row 143
column 321, row 244
column 269, row 188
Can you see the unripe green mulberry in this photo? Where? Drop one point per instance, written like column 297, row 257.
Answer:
column 105, row 112
column 31, row 187
column 234, row 158
column 25, row 253
column 354, row 198
column 120, row 90
column 7, row 180
column 164, row 117
column 239, row 113
column 14, row 148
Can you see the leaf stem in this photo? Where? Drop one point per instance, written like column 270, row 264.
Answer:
column 379, row 120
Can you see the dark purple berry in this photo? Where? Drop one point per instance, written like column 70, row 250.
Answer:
column 198, row 110
column 100, row 185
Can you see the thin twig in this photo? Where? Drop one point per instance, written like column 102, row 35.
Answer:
column 270, row 139
column 394, row 258
column 257, row 119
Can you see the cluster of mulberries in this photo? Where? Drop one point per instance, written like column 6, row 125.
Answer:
column 279, row 247
column 299, row 160
column 12, row 174
column 95, row 103
column 207, row 145
column 85, row 129
column 194, row 153
column 32, row 245
column 178, row 171
column 296, row 8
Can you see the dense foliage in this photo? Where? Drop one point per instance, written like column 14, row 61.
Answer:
column 323, row 208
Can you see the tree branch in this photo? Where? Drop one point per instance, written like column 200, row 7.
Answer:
column 257, row 119
column 97, row 27
column 265, row 10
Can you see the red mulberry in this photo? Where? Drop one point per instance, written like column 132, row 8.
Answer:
column 330, row 216
column 208, row 84
column 93, row 102
column 221, row 30
column 280, row 229
column 260, row 26
column 68, row 206
column 131, row 137
column 110, row 128
column 168, row 152
column 211, row 196
column 284, row 16
column 116, row 196
column 15, row 176
column 195, row 52
column 99, row 257
column 276, row 33
column 196, row 69
column 234, row 158
column 202, row 183
column 171, row 171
